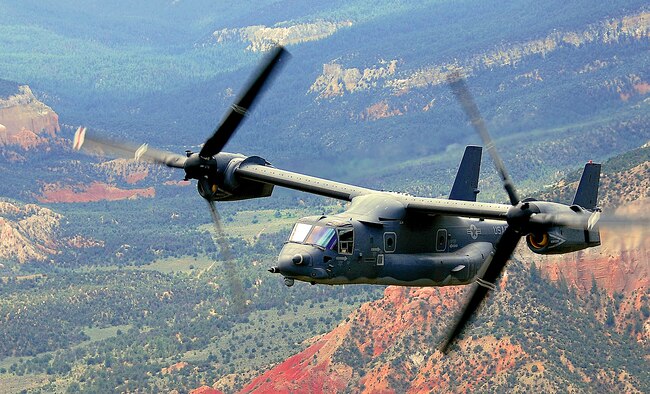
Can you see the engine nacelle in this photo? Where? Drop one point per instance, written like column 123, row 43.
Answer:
column 224, row 186
column 559, row 240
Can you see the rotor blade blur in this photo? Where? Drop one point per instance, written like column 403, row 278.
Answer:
column 585, row 221
column 492, row 269
column 104, row 147
column 229, row 124
column 237, row 295
column 462, row 93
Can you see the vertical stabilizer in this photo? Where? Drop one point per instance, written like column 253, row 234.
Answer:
column 587, row 193
column 466, row 184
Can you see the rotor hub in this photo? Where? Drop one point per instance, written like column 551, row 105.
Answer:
column 519, row 215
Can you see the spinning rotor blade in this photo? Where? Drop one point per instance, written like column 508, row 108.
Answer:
column 493, row 266
column 236, row 289
column 462, row 93
column 588, row 222
column 229, row 124
column 96, row 145
column 496, row 262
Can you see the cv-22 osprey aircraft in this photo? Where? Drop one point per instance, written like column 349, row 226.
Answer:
column 385, row 238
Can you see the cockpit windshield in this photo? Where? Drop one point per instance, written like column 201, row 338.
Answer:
column 324, row 237
column 299, row 233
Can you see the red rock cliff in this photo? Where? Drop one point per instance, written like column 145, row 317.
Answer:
column 25, row 121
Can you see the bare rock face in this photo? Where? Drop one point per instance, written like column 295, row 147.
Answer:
column 386, row 345
column 390, row 345
column 620, row 265
column 129, row 170
column 27, row 232
column 337, row 80
column 263, row 38
column 25, row 121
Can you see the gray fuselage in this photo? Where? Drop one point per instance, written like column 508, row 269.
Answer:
column 411, row 251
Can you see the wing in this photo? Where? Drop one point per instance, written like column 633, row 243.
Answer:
column 470, row 209
column 305, row 183
column 256, row 172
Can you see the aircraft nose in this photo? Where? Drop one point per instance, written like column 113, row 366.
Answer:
column 291, row 265
column 295, row 261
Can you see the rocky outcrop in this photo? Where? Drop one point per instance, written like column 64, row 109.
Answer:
column 129, row 170
column 380, row 110
column 634, row 26
column 96, row 191
column 25, row 121
column 337, row 80
column 620, row 265
column 205, row 390
column 390, row 345
column 174, row 368
column 27, row 232
column 81, row 242
column 263, row 38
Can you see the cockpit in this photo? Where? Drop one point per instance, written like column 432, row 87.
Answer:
column 339, row 239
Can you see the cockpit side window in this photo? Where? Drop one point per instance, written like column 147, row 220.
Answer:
column 346, row 240
column 299, row 233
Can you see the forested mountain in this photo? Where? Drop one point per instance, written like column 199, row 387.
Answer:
column 109, row 277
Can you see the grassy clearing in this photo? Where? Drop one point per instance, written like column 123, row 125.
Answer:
column 10, row 384
column 99, row 334
column 185, row 264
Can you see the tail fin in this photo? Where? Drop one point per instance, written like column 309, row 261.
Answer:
column 466, row 184
column 587, row 193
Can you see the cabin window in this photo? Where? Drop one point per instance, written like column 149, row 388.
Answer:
column 441, row 240
column 390, row 242
column 346, row 240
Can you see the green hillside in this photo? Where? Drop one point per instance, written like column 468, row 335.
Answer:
column 153, row 71
column 558, row 84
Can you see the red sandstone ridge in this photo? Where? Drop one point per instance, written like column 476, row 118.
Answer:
column 621, row 264
column 370, row 333
column 389, row 345
column 205, row 390
column 96, row 191
column 309, row 371
column 130, row 170
column 25, row 121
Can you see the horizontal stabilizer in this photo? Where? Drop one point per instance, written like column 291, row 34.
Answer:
column 466, row 184
column 587, row 193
